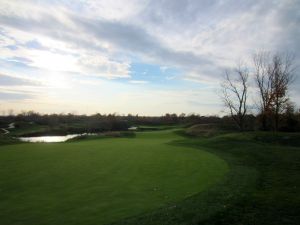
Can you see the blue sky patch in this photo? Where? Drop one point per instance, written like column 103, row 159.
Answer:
column 153, row 73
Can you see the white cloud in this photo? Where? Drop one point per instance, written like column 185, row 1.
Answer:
column 52, row 61
column 103, row 67
column 59, row 40
column 114, row 10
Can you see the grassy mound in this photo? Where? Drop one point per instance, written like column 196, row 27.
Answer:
column 262, row 186
column 203, row 130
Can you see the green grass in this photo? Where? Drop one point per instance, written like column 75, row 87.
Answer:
column 99, row 181
column 159, row 177
column 262, row 186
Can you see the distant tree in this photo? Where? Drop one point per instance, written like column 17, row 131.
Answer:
column 290, row 117
column 234, row 93
column 273, row 75
column 10, row 112
column 182, row 115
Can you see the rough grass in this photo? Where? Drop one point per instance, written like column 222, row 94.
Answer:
column 23, row 128
column 99, row 181
column 203, row 130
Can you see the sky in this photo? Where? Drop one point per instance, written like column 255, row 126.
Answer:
column 146, row 57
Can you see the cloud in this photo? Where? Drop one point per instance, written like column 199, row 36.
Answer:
column 102, row 39
column 113, row 10
column 121, row 36
column 18, row 88
column 104, row 67
column 223, row 31
column 13, row 96
column 6, row 80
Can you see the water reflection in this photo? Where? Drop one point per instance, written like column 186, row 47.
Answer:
column 50, row 138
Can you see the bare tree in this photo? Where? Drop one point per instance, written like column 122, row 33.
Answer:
column 263, row 80
column 273, row 75
column 234, row 95
column 282, row 77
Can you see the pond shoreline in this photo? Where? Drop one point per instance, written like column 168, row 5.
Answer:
column 57, row 135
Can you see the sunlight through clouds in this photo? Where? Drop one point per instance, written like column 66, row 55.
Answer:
column 51, row 61
column 151, row 46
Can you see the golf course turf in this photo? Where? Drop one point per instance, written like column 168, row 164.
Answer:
column 102, row 181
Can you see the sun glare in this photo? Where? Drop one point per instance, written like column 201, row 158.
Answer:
column 56, row 80
column 56, row 66
column 54, row 62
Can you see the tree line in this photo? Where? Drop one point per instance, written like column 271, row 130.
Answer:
column 71, row 123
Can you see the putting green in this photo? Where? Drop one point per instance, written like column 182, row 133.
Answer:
column 100, row 181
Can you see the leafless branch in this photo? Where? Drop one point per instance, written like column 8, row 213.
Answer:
column 234, row 94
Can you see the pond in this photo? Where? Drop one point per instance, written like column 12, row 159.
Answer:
column 52, row 138
column 132, row 128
